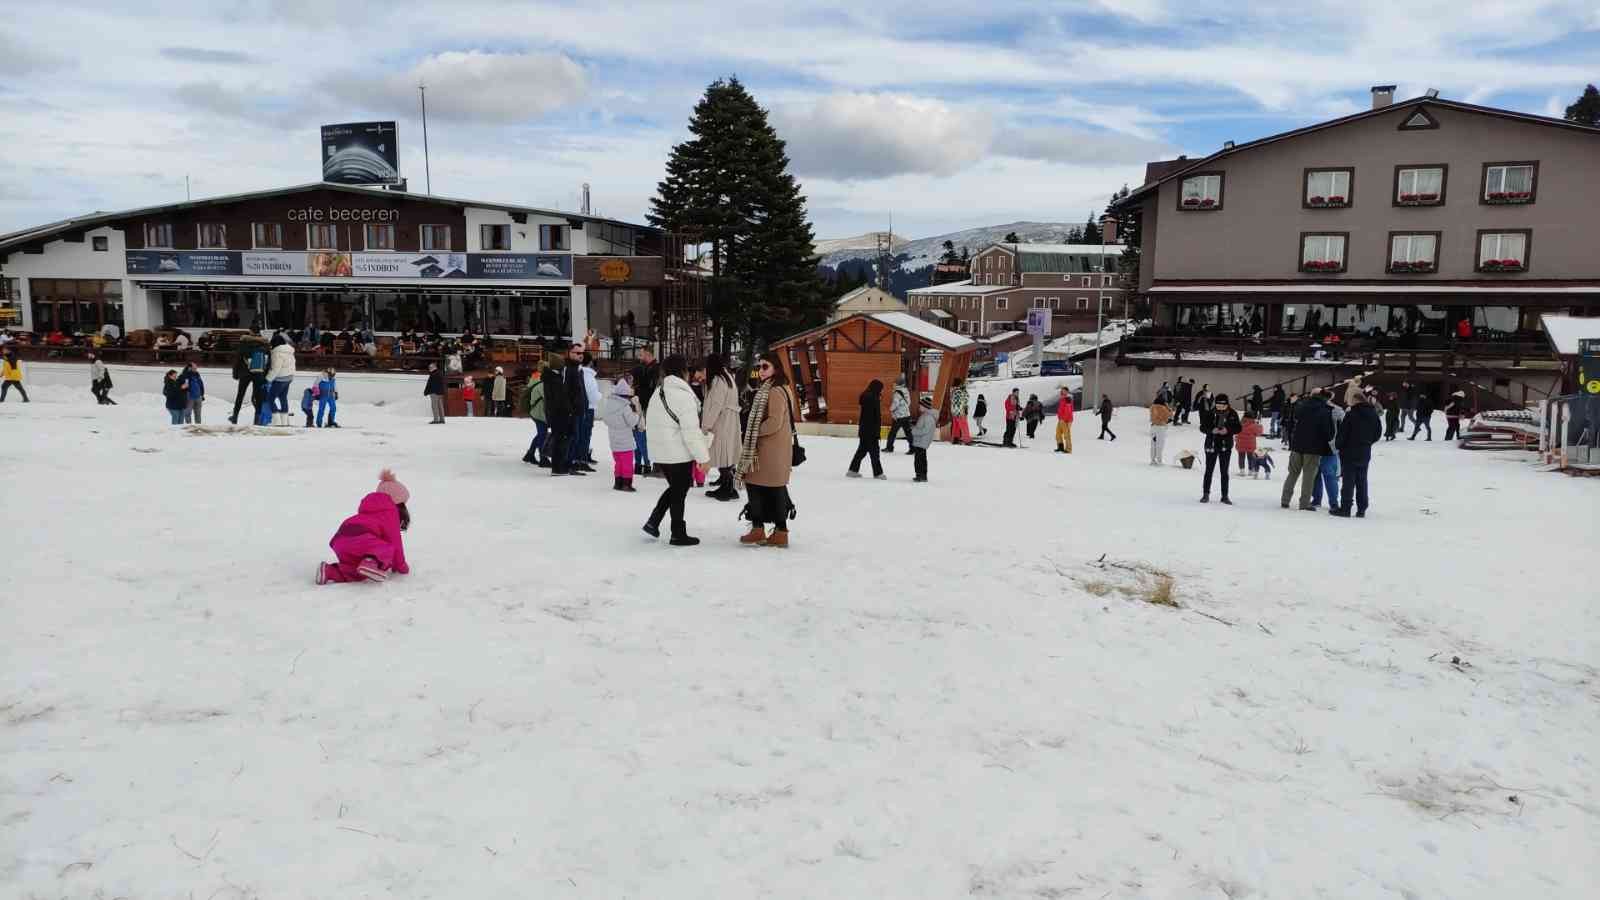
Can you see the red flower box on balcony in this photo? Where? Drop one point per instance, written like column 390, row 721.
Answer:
column 1335, row 201
column 1208, row 202
column 1502, row 265
column 1191, row 202
column 1317, row 201
column 1418, row 199
column 1322, row 265
column 1509, row 197
column 1420, row 265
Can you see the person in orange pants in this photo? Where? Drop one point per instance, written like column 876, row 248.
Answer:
column 1064, row 422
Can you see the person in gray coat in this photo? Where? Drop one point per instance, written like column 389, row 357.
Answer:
column 900, row 413
column 922, row 436
column 720, row 419
column 622, row 421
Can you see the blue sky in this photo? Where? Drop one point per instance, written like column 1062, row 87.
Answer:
column 943, row 115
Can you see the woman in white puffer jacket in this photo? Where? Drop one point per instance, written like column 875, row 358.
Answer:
column 279, row 376
column 673, row 425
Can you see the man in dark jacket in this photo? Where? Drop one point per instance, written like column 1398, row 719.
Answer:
column 646, row 378
column 434, row 391
column 1311, row 441
column 578, row 408
column 1424, row 414
column 867, row 431
column 1408, row 403
column 1361, row 429
column 1184, row 393
column 1219, row 422
column 558, row 414
column 243, row 374
column 1275, row 406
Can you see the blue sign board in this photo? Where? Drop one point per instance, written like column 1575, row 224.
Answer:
column 556, row 267
column 183, row 262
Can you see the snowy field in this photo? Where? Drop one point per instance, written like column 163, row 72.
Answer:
column 937, row 692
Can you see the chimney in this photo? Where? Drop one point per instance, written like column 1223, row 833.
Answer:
column 1382, row 95
column 1108, row 229
column 583, row 204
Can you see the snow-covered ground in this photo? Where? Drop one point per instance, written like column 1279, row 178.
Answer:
column 946, row 690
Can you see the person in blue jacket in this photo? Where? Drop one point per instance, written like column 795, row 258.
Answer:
column 309, row 395
column 327, row 399
column 197, row 394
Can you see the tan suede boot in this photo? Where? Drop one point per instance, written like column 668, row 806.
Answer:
column 756, row 536
column 777, row 539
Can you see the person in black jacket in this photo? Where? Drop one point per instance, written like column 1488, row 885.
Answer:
column 177, row 394
column 1310, row 441
column 558, row 414
column 578, row 406
column 1219, row 421
column 1185, row 397
column 646, row 378
column 1275, row 406
column 1424, row 415
column 867, row 431
column 434, row 391
column 1105, row 424
column 246, row 378
column 1391, row 416
column 1361, row 429
column 1257, row 402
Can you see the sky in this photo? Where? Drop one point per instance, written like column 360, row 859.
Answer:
column 935, row 115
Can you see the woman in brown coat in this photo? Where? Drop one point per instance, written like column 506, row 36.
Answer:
column 766, row 456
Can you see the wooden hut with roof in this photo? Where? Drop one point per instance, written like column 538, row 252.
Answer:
column 838, row 360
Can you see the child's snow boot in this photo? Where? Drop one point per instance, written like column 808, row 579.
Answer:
column 322, row 573
column 372, row 570
column 627, row 485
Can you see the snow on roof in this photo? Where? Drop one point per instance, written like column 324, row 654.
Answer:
column 960, row 287
column 1566, row 331
column 927, row 331
column 1091, row 249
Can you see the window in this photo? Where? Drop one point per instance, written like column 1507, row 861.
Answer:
column 100, row 243
column 1328, row 188
column 988, row 263
column 1202, row 191
column 1509, row 183
column 158, row 236
column 213, row 236
column 267, row 235
column 436, row 237
column 1083, row 303
column 322, row 237
column 553, row 237
column 1419, row 185
column 1039, row 302
column 380, row 237
column 1055, row 303
column 1105, row 281
column 1414, row 251
column 1087, row 281
column 999, row 303
column 494, row 237
column 1503, row 251
column 1322, row 252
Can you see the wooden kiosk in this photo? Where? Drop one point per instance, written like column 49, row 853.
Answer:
column 836, row 361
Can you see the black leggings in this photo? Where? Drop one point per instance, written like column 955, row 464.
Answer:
column 868, row 446
column 1217, row 459
column 768, row 505
column 6, row 387
column 680, row 477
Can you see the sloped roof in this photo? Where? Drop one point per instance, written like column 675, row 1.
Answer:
column 1165, row 171
column 960, row 287
column 905, row 323
column 1565, row 331
column 96, row 219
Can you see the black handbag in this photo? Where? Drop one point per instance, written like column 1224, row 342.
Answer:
column 797, row 455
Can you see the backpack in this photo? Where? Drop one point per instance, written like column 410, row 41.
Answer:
column 258, row 360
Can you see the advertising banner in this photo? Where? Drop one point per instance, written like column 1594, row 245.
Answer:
column 1589, row 366
column 1038, row 321
column 519, row 265
column 183, row 262
column 274, row 264
column 360, row 153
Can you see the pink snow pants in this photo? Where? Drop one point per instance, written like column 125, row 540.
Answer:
column 622, row 461
column 959, row 432
column 352, row 549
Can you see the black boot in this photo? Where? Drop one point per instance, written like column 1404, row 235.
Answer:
column 616, row 484
column 684, row 540
column 627, row 485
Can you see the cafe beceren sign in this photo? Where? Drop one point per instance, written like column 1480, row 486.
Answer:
column 334, row 214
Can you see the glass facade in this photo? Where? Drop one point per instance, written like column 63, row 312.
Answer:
column 545, row 315
column 75, row 304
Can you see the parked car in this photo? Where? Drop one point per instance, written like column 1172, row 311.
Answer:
column 986, row 369
column 1024, row 369
column 1059, row 367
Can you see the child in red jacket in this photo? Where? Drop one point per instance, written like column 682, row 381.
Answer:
column 1245, row 441
column 368, row 543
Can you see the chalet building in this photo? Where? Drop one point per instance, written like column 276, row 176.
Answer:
column 866, row 299
column 1007, row 280
column 339, row 257
column 1402, row 220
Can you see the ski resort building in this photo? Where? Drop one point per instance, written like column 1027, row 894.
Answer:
column 1422, row 238
column 1072, row 281
column 339, row 257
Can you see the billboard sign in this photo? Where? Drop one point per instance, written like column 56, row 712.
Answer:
column 273, row 264
column 183, row 262
column 1589, row 366
column 1038, row 322
column 360, row 153
column 535, row 266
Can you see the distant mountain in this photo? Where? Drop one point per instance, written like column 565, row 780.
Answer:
column 913, row 260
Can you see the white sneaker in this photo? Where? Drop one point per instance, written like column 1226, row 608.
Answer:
column 880, row 478
column 322, row 573
column 849, row 474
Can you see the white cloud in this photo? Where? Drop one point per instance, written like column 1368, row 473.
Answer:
column 876, row 135
column 1077, row 146
column 475, row 86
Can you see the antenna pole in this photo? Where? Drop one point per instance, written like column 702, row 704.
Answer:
column 427, row 170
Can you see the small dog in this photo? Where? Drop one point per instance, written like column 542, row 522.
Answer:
column 1261, row 463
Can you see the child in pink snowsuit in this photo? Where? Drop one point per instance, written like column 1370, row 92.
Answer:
column 368, row 543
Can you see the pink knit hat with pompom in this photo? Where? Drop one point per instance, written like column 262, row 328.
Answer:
column 388, row 484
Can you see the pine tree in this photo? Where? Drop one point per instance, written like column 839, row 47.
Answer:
column 1011, row 238
column 950, row 255
column 1586, row 111
column 1091, row 230
column 729, row 186
column 1074, row 235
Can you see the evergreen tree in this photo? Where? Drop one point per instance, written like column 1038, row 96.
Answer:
column 729, row 187
column 1011, row 238
column 1091, row 230
column 1074, row 235
column 950, row 255
column 966, row 255
column 1586, row 111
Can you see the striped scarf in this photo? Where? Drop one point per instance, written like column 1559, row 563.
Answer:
column 752, row 427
